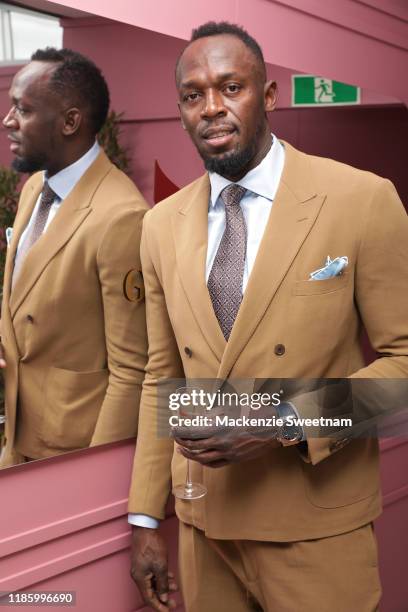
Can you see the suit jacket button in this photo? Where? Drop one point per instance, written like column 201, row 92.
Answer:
column 279, row 349
column 30, row 318
column 188, row 351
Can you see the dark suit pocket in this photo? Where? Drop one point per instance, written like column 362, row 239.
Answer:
column 314, row 287
column 73, row 402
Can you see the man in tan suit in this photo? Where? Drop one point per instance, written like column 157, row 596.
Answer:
column 286, row 524
column 73, row 321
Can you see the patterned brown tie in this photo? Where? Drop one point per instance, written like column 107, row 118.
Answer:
column 37, row 228
column 227, row 272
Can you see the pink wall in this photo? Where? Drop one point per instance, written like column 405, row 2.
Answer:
column 139, row 67
column 152, row 128
column 62, row 531
column 138, row 56
column 356, row 41
column 392, row 527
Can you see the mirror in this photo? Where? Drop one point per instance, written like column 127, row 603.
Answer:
column 77, row 405
column 139, row 67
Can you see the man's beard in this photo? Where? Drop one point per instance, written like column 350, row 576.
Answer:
column 29, row 164
column 234, row 163
column 231, row 164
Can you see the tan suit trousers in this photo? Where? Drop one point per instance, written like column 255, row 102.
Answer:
column 334, row 574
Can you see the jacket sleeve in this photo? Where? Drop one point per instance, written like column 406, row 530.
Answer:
column 118, row 259
column 151, row 478
column 381, row 296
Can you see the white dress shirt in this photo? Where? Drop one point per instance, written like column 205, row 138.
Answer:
column 62, row 184
column 261, row 183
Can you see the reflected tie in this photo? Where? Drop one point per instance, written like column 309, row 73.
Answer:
column 37, row 228
column 227, row 273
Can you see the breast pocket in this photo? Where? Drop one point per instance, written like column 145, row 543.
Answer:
column 317, row 287
column 73, row 402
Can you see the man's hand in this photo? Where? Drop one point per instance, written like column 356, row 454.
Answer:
column 232, row 447
column 2, row 360
column 149, row 568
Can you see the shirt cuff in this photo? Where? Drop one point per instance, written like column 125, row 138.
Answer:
column 143, row 520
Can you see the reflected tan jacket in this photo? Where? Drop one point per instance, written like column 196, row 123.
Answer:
column 321, row 208
column 75, row 346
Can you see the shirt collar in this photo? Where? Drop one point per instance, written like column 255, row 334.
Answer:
column 65, row 180
column 263, row 180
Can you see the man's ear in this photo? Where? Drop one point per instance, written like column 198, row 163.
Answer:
column 72, row 121
column 270, row 95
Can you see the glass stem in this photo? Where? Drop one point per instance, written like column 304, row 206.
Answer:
column 189, row 484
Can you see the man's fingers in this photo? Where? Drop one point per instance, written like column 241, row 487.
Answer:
column 207, row 458
column 201, row 457
column 173, row 586
column 157, row 605
column 162, row 585
column 147, row 590
column 149, row 568
column 203, row 444
column 224, row 450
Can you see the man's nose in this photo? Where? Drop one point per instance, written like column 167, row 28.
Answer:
column 9, row 120
column 214, row 104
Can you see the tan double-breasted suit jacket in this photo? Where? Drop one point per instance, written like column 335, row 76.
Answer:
column 75, row 345
column 287, row 327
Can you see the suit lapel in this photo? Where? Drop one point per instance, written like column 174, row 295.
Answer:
column 293, row 215
column 25, row 209
column 190, row 228
column 74, row 209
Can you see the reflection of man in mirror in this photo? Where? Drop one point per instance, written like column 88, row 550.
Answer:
column 73, row 336
column 232, row 293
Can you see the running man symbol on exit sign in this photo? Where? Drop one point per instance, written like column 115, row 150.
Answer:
column 310, row 90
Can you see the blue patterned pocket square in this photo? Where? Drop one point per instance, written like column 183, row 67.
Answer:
column 333, row 267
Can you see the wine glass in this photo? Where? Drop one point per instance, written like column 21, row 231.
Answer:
column 190, row 489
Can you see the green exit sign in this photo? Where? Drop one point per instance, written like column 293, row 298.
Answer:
column 310, row 90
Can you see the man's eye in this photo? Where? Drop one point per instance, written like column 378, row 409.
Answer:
column 233, row 88
column 20, row 110
column 191, row 97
